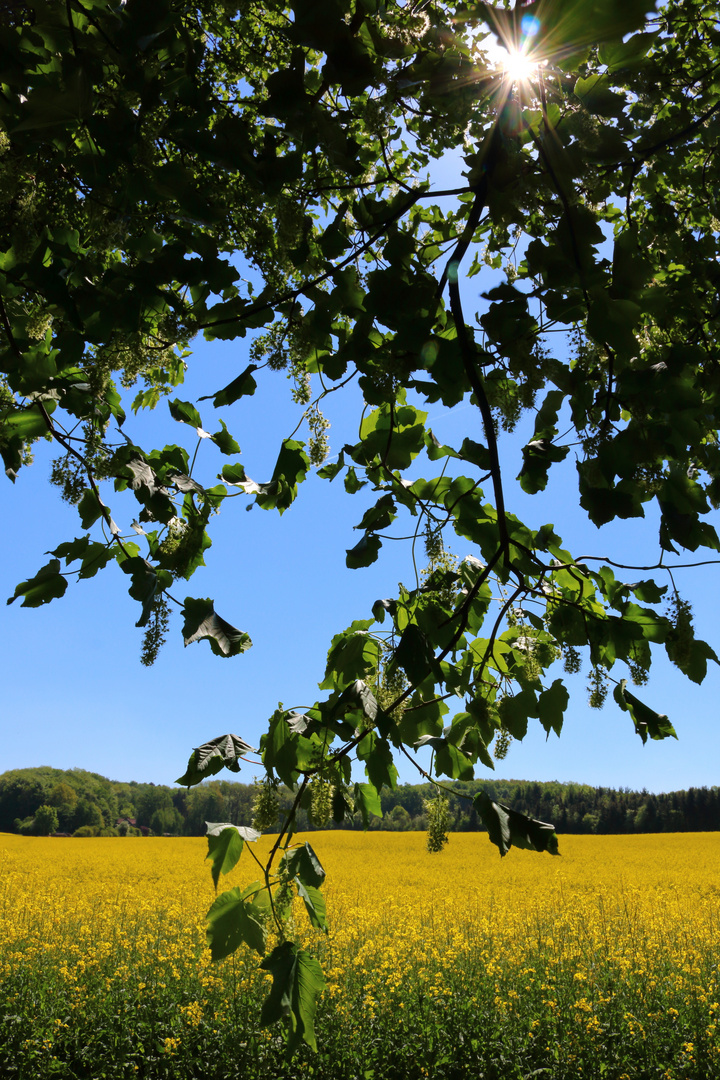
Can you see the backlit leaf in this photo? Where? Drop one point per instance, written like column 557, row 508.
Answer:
column 646, row 720
column 243, row 385
column 202, row 623
column 48, row 584
column 185, row 412
column 507, row 827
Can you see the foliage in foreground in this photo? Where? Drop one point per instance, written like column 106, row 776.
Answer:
column 267, row 169
column 600, row 966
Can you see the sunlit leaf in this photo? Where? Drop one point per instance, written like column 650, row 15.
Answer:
column 233, row 921
column 226, row 751
column 225, row 844
column 297, row 985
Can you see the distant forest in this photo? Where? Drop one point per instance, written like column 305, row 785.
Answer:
column 79, row 803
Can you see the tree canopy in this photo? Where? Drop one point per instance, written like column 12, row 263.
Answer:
column 267, row 171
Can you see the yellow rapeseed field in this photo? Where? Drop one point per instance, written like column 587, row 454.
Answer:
column 615, row 939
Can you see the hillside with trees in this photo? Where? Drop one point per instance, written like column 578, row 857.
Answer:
column 87, row 804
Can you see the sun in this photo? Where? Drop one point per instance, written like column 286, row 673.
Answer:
column 516, row 56
column 517, row 66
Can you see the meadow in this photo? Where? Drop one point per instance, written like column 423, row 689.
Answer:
column 601, row 963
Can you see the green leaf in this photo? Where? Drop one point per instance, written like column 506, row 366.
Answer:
column 224, row 440
column 330, row 471
column 48, row 584
column 285, row 749
column 232, row 921
column 379, row 516
column 649, row 592
column 297, row 984
column 353, row 655
column 185, row 413
column 623, row 55
column 314, row 905
column 364, row 553
column 27, row 423
column 145, row 582
column 47, row 106
column 225, row 844
column 451, row 761
column 367, row 801
column 378, row 758
column 414, row 654
column 303, row 863
column 202, row 623
column 646, row 720
column 611, row 322
column 507, row 827
column 226, row 751
column 538, row 456
column 514, row 712
column 686, row 530
column 692, row 657
column 394, row 435
column 235, row 474
column 352, row 482
column 423, row 718
column 96, row 558
column 90, row 508
column 243, row 386
column 381, row 606
column 290, row 470
column 358, row 695
column 476, row 453
column 596, row 95
column 186, row 484
column 341, row 807
column 471, row 736
column 552, row 704
column 12, row 451
column 70, row 550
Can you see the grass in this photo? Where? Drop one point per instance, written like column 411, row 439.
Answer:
column 602, row 963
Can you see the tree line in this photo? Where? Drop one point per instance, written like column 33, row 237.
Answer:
column 76, row 802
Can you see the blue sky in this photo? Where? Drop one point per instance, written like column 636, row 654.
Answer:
column 75, row 693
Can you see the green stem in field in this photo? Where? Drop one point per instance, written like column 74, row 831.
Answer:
column 275, row 848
